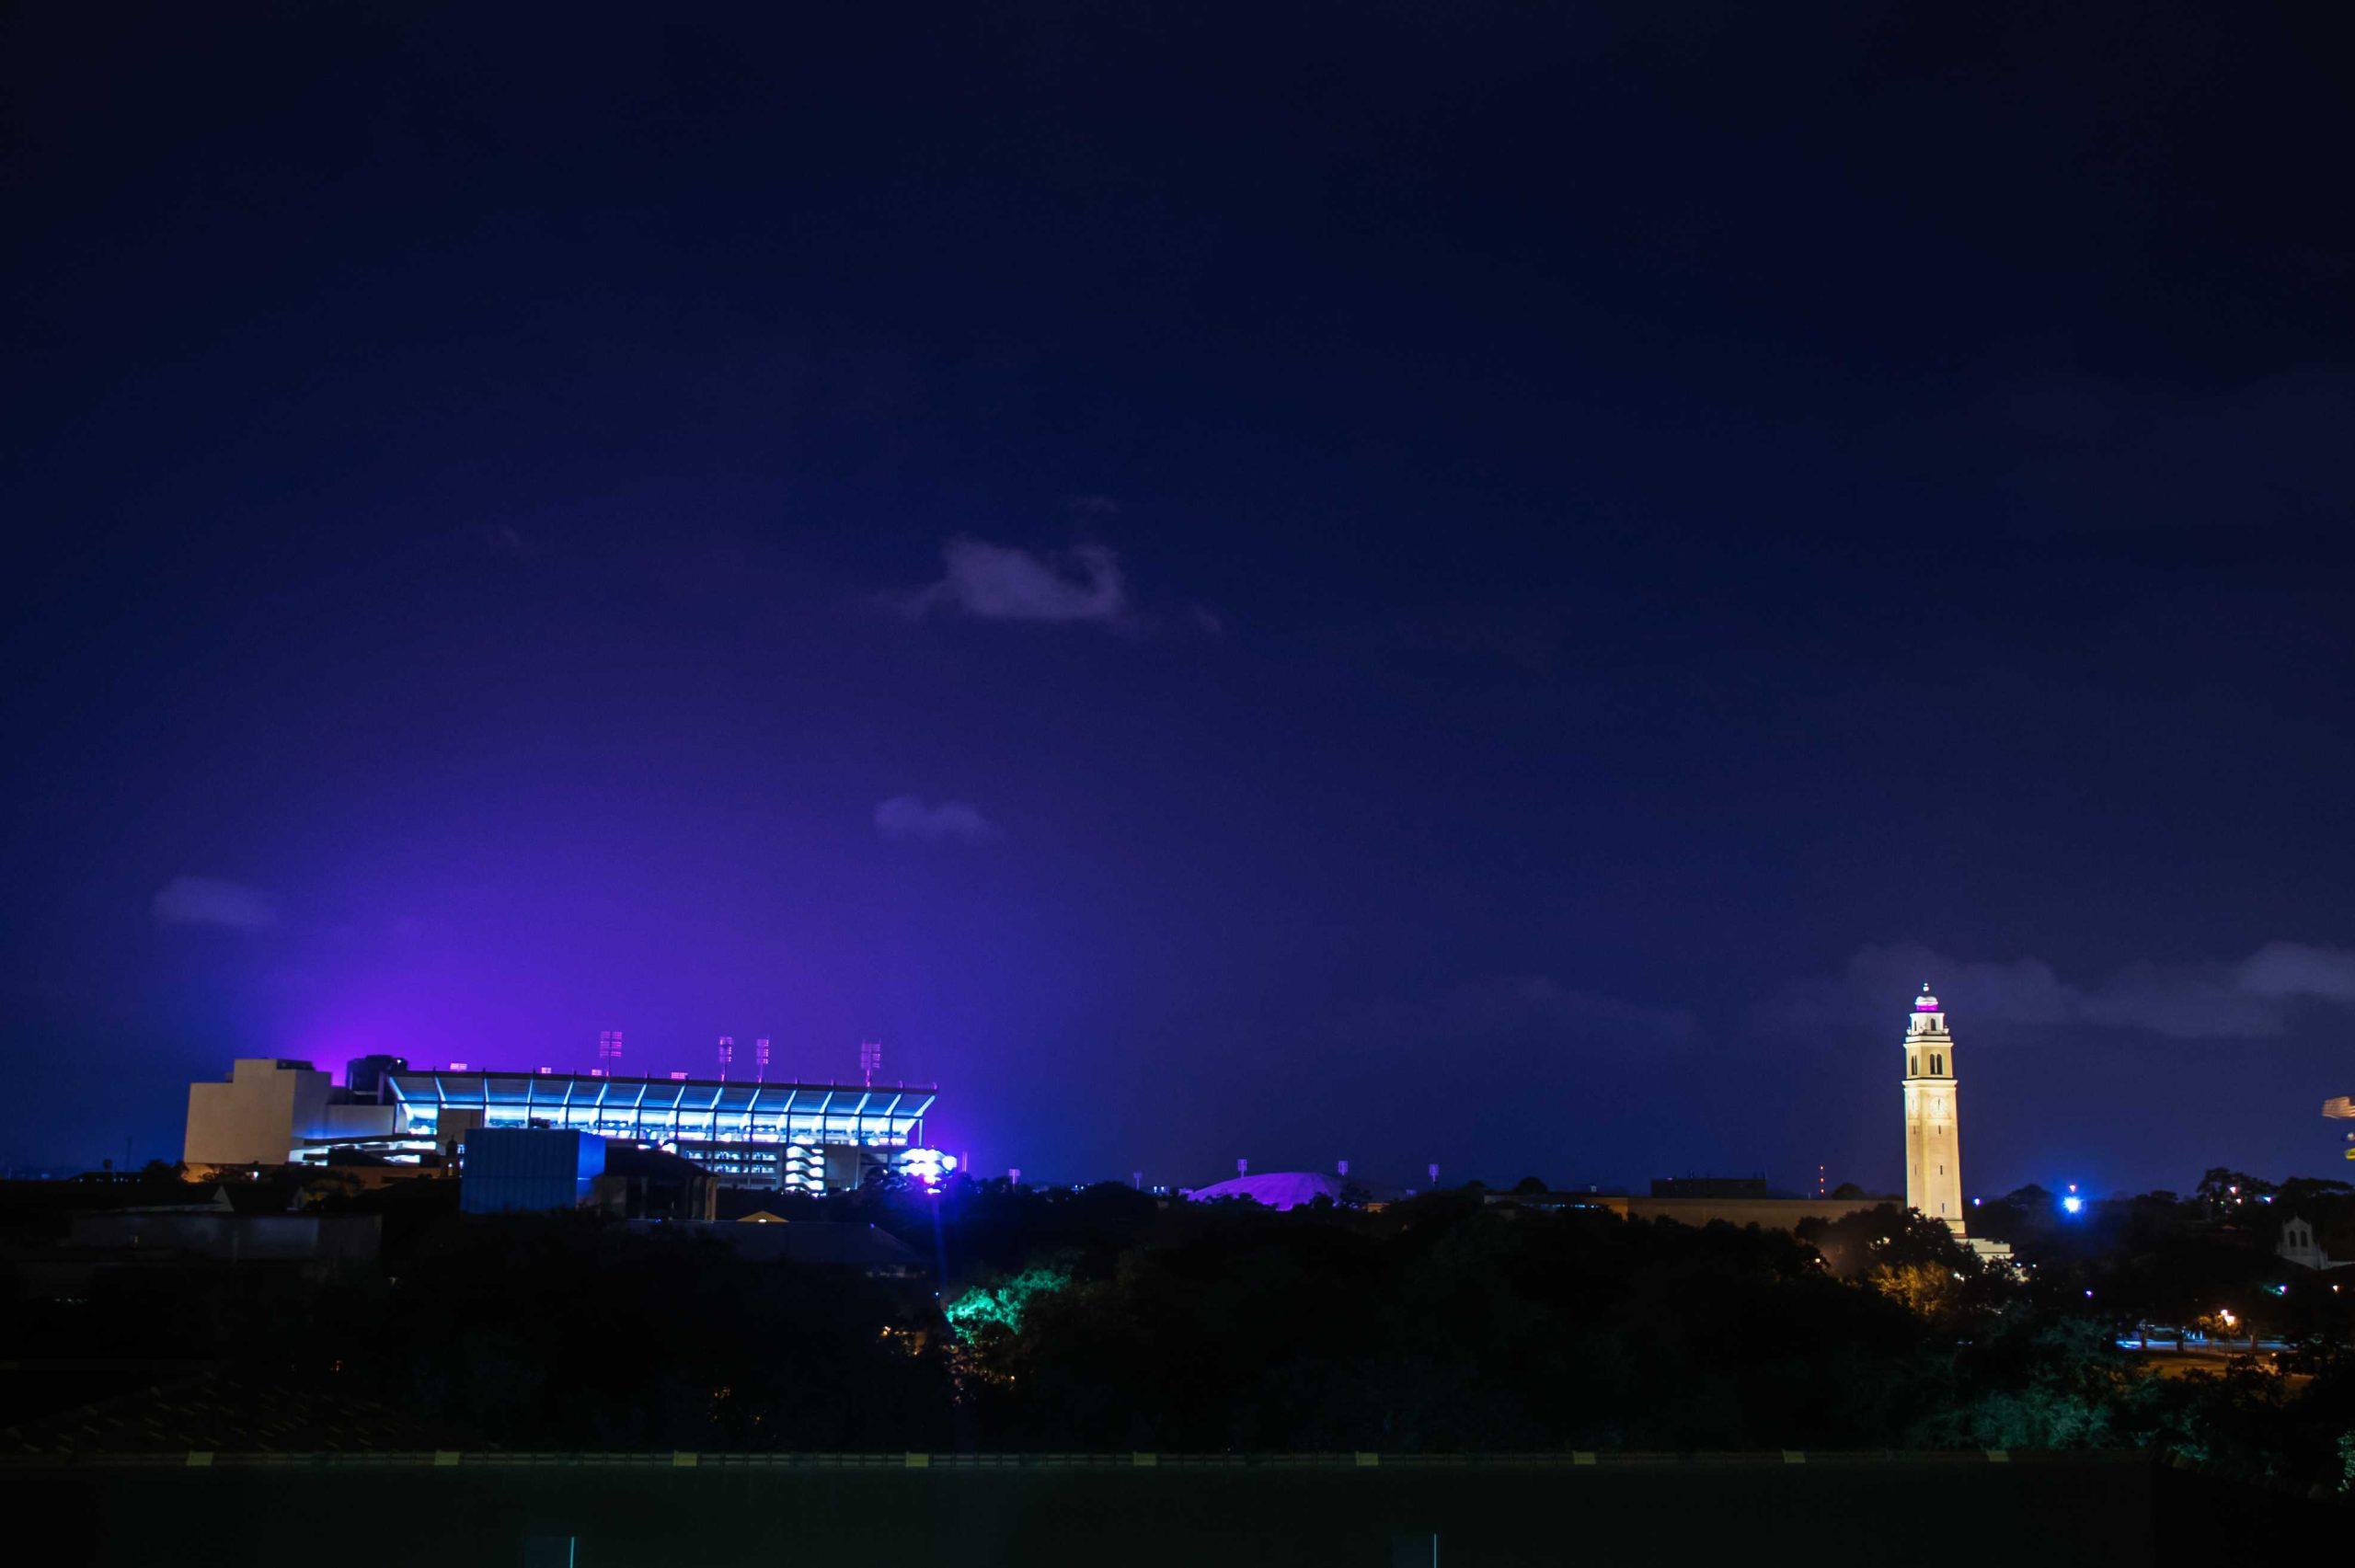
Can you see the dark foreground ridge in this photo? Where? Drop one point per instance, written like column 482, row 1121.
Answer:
column 1362, row 1510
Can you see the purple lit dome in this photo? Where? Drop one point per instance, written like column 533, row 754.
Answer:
column 1277, row 1189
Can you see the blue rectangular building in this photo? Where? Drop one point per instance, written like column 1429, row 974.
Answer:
column 506, row 1170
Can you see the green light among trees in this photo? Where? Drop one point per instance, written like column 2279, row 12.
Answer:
column 1002, row 1303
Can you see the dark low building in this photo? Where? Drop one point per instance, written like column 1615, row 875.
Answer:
column 219, row 1234
column 649, row 1184
column 207, row 1235
column 1745, row 1205
column 1710, row 1186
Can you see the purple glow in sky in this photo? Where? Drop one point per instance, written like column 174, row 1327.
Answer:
column 1326, row 623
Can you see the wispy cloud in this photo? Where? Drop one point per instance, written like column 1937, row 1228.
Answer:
column 905, row 816
column 207, row 901
column 2296, row 970
column 2252, row 998
column 999, row 582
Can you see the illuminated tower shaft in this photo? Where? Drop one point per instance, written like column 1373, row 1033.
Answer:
column 1933, row 1130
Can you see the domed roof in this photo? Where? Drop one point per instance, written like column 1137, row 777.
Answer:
column 1277, row 1189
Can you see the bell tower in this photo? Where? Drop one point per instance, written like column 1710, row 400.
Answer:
column 1933, row 1136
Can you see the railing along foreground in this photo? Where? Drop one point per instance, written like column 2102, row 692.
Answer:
column 492, row 1458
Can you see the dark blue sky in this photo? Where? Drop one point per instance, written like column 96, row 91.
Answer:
column 1494, row 584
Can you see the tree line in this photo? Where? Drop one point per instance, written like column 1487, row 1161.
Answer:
column 1104, row 1319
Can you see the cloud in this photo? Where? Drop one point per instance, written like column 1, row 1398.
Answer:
column 998, row 582
column 2295, row 969
column 904, row 817
column 2251, row 999
column 208, row 901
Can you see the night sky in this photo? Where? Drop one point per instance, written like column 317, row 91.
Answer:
column 1488, row 584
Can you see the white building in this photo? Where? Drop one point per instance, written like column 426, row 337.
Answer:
column 267, row 1110
column 1934, row 1126
column 1933, row 1140
column 2299, row 1246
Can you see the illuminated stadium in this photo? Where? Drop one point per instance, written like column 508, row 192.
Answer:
column 792, row 1137
column 810, row 1137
